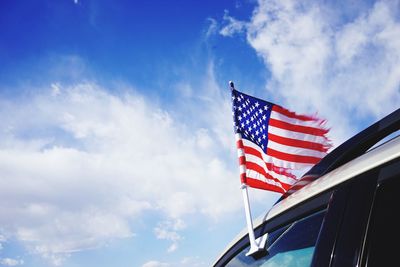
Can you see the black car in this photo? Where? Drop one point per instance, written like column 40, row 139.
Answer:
column 343, row 212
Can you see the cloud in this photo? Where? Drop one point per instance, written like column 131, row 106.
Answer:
column 7, row 261
column 155, row 264
column 212, row 28
column 168, row 230
column 185, row 262
column 80, row 165
column 10, row 262
column 232, row 25
column 345, row 64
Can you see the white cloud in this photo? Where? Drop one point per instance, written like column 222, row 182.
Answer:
column 10, row 262
column 212, row 28
column 80, row 166
column 55, row 89
column 348, row 70
column 155, row 264
column 232, row 25
column 168, row 230
column 185, row 262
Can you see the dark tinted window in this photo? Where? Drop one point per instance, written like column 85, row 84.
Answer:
column 384, row 229
column 292, row 245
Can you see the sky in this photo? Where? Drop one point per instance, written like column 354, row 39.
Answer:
column 116, row 137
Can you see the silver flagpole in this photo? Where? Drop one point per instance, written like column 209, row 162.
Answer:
column 254, row 247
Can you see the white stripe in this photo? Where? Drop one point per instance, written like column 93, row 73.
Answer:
column 258, row 176
column 240, row 152
column 280, row 177
column 297, row 135
column 295, row 150
column 238, row 136
column 277, row 162
column 242, row 169
column 281, row 117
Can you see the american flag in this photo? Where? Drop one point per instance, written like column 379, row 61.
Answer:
column 273, row 141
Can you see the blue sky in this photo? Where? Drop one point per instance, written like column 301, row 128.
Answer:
column 116, row 143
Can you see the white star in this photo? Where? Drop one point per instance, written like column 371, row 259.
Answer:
column 257, row 104
column 266, row 107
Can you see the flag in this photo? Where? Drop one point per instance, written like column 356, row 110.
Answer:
column 272, row 142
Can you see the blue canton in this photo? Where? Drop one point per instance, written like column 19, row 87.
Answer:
column 250, row 118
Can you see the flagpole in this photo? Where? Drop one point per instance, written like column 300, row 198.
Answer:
column 254, row 247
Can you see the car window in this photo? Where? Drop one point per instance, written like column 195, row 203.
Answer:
column 290, row 246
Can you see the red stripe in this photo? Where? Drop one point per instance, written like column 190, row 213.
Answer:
column 255, row 167
column 242, row 160
column 239, row 144
column 243, row 178
column 269, row 166
column 298, row 143
column 292, row 158
column 297, row 128
column 293, row 115
column 261, row 185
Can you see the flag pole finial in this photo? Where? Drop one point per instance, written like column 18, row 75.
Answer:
column 231, row 85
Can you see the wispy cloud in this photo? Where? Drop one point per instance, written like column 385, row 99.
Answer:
column 11, row 262
column 231, row 25
column 346, row 66
column 185, row 262
column 168, row 230
column 212, row 27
